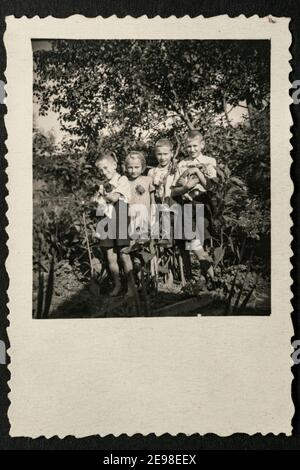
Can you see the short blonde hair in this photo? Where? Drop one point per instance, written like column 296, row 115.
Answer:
column 164, row 143
column 135, row 154
column 194, row 134
column 106, row 156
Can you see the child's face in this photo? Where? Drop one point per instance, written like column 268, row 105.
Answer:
column 194, row 147
column 107, row 168
column 134, row 168
column 163, row 155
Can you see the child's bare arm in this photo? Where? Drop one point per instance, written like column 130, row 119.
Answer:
column 184, row 188
column 200, row 176
column 112, row 197
column 152, row 197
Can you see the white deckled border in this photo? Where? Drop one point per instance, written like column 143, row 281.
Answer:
column 146, row 375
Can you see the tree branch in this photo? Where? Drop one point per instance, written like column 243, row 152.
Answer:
column 226, row 112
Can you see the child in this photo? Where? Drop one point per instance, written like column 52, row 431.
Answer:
column 196, row 170
column 141, row 195
column 112, row 197
column 194, row 173
column 162, row 179
column 162, row 176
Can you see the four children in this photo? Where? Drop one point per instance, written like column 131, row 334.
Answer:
column 162, row 185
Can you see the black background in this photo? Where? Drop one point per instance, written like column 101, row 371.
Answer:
column 151, row 8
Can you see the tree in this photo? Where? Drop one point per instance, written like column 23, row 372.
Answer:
column 132, row 88
column 43, row 143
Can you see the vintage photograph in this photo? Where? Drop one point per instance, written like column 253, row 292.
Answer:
column 151, row 178
column 149, row 234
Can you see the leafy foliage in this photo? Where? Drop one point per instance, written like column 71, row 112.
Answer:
column 120, row 95
column 134, row 88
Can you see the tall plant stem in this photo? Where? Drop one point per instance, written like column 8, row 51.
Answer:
column 87, row 243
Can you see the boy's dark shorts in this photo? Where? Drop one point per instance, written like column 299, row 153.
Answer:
column 203, row 199
column 117, row 243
